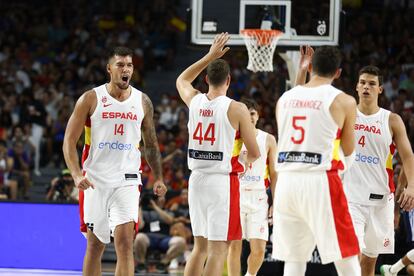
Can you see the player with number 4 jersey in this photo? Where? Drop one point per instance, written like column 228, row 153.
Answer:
column 218, row 126
column 315, row 124
column 369, row 182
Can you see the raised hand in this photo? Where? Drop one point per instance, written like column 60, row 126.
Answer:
column 306, row 53
column 217, row 49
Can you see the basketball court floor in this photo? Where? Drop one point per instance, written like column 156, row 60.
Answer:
column 40, row 272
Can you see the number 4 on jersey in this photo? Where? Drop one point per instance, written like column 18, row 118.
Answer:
column 208, row 135
column 361, row 141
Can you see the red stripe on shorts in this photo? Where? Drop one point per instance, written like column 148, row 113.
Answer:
column 83, row 227
column 347, row 239
column 234, row 231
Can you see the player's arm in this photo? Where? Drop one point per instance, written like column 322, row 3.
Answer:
column 166, row 217
column 306, row 53
column 343, row 110
column 152, row 150
column 239, row 117
column 184, row 80
column 74, row 130
column 271, row 156
column 407, row 158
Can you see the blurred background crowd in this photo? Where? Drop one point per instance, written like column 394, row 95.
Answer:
column 53, row 51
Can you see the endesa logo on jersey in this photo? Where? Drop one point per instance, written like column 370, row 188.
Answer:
column 251, row 178
column 116, row 145
column 300, row 157
column 366, row 159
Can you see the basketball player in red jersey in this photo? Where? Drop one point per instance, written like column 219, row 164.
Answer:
column 113, row 115
column 217, row 127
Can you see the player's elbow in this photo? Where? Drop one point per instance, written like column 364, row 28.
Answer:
column 180, row 83
column 254, row 155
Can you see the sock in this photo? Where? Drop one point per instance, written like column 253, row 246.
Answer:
column 348, row 266
column 410, row 255
column 248, row 274
column 397, row 267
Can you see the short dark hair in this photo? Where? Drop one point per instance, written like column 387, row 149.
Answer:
column 251, row 104
column 372, row 70
column 120, row 51
column 326, row 61
column 217, row 72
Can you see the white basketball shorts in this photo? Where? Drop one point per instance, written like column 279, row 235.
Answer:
column 310, row 209
column 101, row 210
column 374, row 226
column 254, row 214
column 213, row 201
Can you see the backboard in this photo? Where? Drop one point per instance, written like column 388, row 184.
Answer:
column 312, row 22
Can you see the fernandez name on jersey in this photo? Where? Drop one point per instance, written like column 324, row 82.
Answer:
column 299, row 157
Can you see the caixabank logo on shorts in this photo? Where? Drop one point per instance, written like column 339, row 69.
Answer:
column 299, row 157
column 115, row 145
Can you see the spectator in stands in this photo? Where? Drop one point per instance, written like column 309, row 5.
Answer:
column 34, row 113
column 62, row 188
column 158, row 233
column 21, row 168
column 8, row 187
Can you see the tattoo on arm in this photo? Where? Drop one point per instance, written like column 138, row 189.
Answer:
column 152, row 151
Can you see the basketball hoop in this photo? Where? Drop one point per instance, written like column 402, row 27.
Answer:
column 261, row 45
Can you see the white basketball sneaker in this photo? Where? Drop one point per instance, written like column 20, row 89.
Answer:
column 385, row 271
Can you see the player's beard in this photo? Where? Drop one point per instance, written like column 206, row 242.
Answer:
column 123, row 85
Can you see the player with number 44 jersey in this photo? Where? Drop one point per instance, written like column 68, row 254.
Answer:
column 218, row 126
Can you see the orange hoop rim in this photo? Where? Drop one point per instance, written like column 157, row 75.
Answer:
column 264, row 37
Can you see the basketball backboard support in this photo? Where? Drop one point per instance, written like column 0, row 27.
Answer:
column 303, row 22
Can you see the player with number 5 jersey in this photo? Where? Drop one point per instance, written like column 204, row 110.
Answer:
column 315, row 124
column 218, row 126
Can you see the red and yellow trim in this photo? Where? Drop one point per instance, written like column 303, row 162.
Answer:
column 236, row 166
column 336, row 163
column 390, row 169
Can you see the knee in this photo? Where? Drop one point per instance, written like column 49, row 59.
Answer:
column 235, row 248
column 368, row 263
column 178, row 243
column 123, row 246
column 95, row 247
column 200, row 252
column 257, row 252
column 141, row 241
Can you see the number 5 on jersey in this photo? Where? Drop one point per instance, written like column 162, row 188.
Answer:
column 208, row 134
column 296, row 125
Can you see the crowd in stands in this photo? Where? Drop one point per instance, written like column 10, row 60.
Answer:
column 49, row 57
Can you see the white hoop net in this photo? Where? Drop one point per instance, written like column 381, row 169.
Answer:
column 261, row 45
